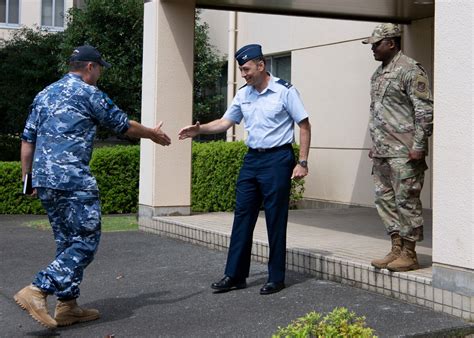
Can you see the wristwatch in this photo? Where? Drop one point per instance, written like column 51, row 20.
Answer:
column 303, row 163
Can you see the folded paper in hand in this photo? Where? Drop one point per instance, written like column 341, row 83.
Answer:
column 27, row 186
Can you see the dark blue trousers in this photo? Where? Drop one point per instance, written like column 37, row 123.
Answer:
column 264, row 177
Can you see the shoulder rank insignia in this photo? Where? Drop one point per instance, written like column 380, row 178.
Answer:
column 285, row 83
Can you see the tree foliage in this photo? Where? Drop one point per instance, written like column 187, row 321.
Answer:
column 34, row 58
column 115, row 27
column 28, row 62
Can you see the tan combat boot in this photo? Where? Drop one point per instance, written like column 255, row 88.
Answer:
column 33, row 300
column 392, row 255
column 68, row 313
column 407, row 260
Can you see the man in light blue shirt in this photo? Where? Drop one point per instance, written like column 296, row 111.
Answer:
column 270, row 107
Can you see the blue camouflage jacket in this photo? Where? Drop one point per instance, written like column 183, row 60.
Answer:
column 62, row 123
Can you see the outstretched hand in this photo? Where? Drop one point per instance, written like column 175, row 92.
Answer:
column 159, row 136
column 189, row 131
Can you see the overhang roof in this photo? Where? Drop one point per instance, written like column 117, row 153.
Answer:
column 400, row 11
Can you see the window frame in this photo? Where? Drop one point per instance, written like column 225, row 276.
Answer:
column 53, row 26
column 270, row 63
column 8, row 24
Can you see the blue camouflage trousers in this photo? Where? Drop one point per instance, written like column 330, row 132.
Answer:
column 75, row 219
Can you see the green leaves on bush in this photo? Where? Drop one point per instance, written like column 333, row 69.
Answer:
column 117, row 170
column 12, row 201
column 339, row 323
column 215, row 168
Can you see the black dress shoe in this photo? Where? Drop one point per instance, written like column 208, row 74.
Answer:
column 228, row 283
column 271, row 287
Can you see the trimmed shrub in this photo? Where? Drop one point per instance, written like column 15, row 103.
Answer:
column 117, row 170
column 12, row 201
column 338, row 323
column 215, row 167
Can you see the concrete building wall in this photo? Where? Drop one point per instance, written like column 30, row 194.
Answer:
column 331, row 68
column 453, row 215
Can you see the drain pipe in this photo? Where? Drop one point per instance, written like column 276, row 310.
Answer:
column 231, row 80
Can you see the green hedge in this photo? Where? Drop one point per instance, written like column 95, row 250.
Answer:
column 11, row 199
column 215, row 167
column 117, row 170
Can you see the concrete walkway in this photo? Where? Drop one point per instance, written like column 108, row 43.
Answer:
column 149, row 286
column 330, row 244
column 352, row 234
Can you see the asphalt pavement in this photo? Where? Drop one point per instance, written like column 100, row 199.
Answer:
column 145, row 285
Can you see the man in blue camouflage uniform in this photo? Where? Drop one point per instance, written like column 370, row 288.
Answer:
column 270, row 108
column 56, row 147
column 401, row 121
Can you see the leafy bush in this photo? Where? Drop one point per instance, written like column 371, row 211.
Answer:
column 338, row 323
column 215, row 168
column 11, row 199
column 117, row 170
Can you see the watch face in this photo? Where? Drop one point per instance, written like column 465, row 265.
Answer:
column 304, row 164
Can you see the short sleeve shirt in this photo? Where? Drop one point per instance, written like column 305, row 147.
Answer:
column 62, row 123
column 270, row 115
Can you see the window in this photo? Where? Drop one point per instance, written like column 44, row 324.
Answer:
column 52, row 13
column 280, row 66
column 10, row 11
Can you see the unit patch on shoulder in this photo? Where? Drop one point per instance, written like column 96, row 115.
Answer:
column 421, row 87
column 284, row 83
column 106, row 102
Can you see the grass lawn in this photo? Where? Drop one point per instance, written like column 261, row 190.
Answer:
column 109, row 223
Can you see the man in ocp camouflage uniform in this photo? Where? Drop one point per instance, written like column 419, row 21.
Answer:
column 401, row 120
column 57, row 147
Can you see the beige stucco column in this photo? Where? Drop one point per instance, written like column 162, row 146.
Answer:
column 165, row 172
column 453, row 155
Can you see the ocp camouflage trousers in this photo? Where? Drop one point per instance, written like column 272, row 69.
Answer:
column 398, row 183
column 75, row 219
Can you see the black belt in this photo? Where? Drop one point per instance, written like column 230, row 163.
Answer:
column 270, row 150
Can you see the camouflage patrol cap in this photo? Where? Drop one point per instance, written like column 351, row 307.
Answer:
column 382, row 31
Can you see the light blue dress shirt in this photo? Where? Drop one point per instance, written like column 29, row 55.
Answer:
column 270, row 115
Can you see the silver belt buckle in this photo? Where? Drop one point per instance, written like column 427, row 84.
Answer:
column 261, row 150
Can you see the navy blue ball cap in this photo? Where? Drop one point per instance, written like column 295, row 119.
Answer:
column 247, row 53
column 88, row 53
